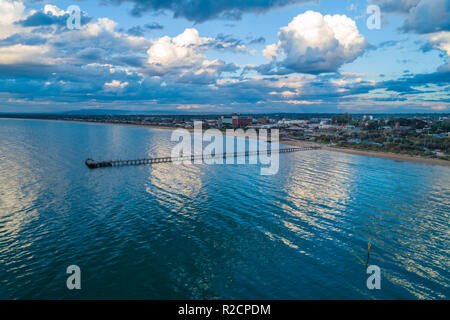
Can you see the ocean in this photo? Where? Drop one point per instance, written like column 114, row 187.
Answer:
column 180, row 231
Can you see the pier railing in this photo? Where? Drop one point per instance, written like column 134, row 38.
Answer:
column 90, row 163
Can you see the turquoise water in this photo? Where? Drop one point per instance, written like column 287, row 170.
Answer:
column 212, row 231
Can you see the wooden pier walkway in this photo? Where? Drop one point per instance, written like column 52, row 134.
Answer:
column 90, row 163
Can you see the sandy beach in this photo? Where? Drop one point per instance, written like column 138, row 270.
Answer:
column 384, row 155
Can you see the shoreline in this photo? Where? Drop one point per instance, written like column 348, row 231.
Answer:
column 383, row 155
column 298, row 143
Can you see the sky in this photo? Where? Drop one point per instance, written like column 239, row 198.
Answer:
column 223, row 56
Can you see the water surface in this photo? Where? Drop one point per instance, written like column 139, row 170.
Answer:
column 212, row 231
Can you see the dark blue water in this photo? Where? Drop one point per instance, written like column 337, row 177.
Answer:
column 212, row 231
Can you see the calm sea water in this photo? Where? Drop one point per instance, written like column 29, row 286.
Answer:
column 212, row 231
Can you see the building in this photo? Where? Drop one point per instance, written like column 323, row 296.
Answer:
column 224, row 121
column 239, row 121
column 293, row 122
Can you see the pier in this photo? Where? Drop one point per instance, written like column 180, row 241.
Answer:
column 92, row 164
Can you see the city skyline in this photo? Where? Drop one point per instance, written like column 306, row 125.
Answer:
column 226, row 56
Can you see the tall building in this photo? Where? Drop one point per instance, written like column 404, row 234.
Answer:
column 239, row 121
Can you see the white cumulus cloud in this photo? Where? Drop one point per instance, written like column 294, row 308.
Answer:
column 10, row 12
column 116, row 84
column 183, row 56
column 182, row 50
column 54, row 10
column 313, row 43
column 441, row 41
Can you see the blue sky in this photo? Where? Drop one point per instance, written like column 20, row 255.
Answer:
column 225, row 56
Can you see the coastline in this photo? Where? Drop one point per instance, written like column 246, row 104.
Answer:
column 384, row 155
column 298, row 143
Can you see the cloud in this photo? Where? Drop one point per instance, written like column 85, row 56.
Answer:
column 312, row 43
column 182, row 50
column 428, row 16
column 20, row 53
column 203, row 10
column 136, row 31
column 440, row 41
column 183, row 57
column 259, row 40
column 10, row 12
column 140, row 31
column 40, row 18
column 388, row 43
column 154, row 26
column 102, row 65
column 227, row 42
column 50, row 15
column 43, row 47
column 422, row 16
column 23, row 38
column 54, row 10
column 91, row 54
column 116, row 84
column 398, row 6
